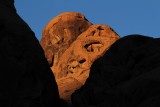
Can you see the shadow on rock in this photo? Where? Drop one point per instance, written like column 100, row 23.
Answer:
column 126, row 76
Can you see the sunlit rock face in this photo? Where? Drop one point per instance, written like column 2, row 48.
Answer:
column 74, row 65
column 60, row 32
column 71, row 44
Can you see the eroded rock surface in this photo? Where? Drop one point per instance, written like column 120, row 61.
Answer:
column 74, row 65
column 60, row 32
column 71, row 44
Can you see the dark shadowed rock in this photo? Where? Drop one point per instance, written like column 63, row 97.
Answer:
column 26, row 79
column 128, row 75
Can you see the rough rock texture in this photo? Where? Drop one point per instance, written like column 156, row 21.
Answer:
column 26, row 79
column 71, row 44
column 74, row 65
column 60, row 32
column 127, row 75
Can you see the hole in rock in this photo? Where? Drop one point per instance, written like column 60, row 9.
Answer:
column 93, row 33
column 93, row 46
column 100, row 28
column 70, row 69
column 82, row 61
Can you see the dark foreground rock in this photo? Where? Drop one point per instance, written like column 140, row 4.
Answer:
column 26, row 79
column 128, row 75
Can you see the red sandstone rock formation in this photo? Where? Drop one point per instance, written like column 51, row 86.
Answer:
column 74, row 51
column 74, row 65
column 60, row 32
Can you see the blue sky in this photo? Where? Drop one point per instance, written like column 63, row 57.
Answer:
column 124, row 16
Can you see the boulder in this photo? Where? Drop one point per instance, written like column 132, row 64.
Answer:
column 60, row 32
